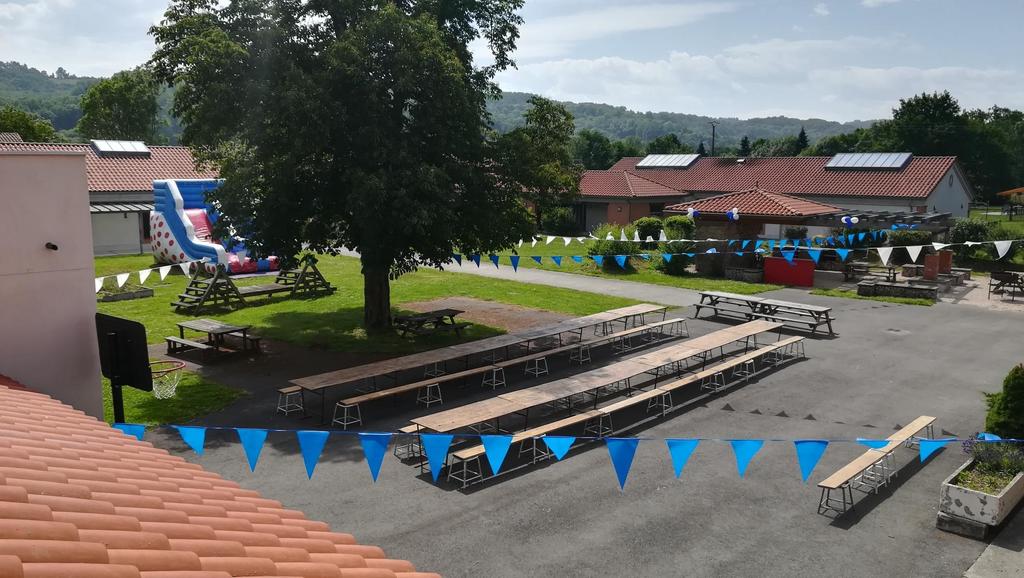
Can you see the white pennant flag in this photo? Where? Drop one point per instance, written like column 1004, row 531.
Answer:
column 636, row 236
column 1002, row 247
column 609, row 237
column 550, row 238
column 883, row 254
column 184, row 267
column 164, row 271
column 122, row 278
column 533, row 242
column 143, row 275
column 940, row 246
column 580, row 239
column 661, row 235
column 971, row 243
column 99, row 283
column 649, row 239
column 520, row 243
column 567, row 240
column 622, row 235
column 914, row 251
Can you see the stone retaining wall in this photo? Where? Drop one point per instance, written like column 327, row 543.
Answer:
column 886, row 289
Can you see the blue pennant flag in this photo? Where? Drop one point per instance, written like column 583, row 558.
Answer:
column 808, row 452
column 622, row 451
column 843, row 254
column 744, row 244
column 711, row 250
column 621, row 260
column 691, row 255
column 252, row 442
column 557, row 259
column 989, row 437
column 194, row 436
column 538, row 259
column 667, row 257
column 830, row 241
column 311, row 445
column 745, row 451
column 771, row 245
column 873, row 444
column 559, row 445
column 758, row 244
column 375, row 445
column 475, row 259
column 136, row 430
column 436, row 448
column 645, row 256
column 730, row 243
column 929, row 447
column 458, row 258
column 782, row 244
column 496, row 448
column 860, row 236
column 789, row 255
column 599, row 259
column 494, row 259
column 815, row 255
column 739, row 253
column 578, row 258
column 514, row 259
column 849, row 239
column 680, row 450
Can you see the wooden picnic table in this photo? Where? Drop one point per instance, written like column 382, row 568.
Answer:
column 428, row 321
column 752, row 307
column 215, row 331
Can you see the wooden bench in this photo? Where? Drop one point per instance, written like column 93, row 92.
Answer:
column 290, row 399
column 466, row 468
column 749, row 308
column 180, row 344
column 872, row 469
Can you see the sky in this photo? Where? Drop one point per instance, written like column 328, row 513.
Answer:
column 834, row 59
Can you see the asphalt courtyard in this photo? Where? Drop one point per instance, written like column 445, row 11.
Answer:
column 889, row 365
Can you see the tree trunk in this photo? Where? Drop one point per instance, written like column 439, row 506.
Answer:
column 376, row 298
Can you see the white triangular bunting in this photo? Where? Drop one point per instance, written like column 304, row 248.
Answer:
column 1002, row 247
column 143, row 275
column 533, row 242
column 550, row 238
column 520, row 243
column 580, row 239
column 99, row 283
column 184, row 267
column 914, row 251
column 636, row 236
column 940, row 246
column 971, row 243
column 609, row 237
column 122, row 278
column 883, row 254
column 164, row 271
column 649, row 239
column 661, row 236
column 622, row 235
column 567, row 240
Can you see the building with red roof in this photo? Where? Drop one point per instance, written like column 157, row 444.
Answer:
column 896, row 182
column 120, row 182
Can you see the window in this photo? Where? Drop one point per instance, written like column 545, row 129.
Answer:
column 657, row 208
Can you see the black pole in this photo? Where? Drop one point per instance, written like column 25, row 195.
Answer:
column 115, row 379
column 713, row 125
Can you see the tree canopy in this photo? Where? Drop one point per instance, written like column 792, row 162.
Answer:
column 31, row 127
column 122, row 107
column 360, row 124
column 593, row 150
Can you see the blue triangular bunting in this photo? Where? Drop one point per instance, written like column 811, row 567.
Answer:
column 436, row 448
column 873, row 444
column 843, row 254
column 771, row 245
column 311, row 445
column 815, row 255
column 458, row 258
column 622, row 451
column 599, row 259
column 557, row 259
column 808, row 452
column 850, row 238
column 645, row 256
column 711, row 250
column 494, row 259
column 691, row 255
column 559, row 445
column 730, row 244
column 621, row 260
column 745, row 451
column 475, row 259
column 680, row 450
column 537, row 259
column 375, row 445
column 744, row 244
column 194, row 436
column 514, row 259
column 252, row 442
column 758, row 244
column 577, row 258
column 860, row 236
column 667, row 257
column 788, row 255
column 496, row 448
column 929, row 447
column 136, row 430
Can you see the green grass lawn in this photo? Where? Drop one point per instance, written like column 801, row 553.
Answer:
column 195, row 397
column 846, row 294
column 640, row 270
column 334, row 322
column 1016, row 226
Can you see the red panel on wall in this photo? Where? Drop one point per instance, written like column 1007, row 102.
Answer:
column 799, row 273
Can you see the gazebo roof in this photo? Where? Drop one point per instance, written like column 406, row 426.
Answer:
column 758, row 202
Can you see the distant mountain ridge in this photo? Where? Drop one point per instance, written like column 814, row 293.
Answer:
column 618, row 122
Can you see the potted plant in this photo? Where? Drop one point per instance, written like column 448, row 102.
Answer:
column 983, row 491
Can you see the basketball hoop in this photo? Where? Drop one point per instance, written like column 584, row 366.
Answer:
column 166, row 375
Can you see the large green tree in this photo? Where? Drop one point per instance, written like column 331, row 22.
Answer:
column 31, row 127
column 537, row 156
column 122, row 107
column 668, row 144
column 593, row 149
column 355, row 123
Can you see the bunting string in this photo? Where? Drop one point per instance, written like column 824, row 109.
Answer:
column 143, row 274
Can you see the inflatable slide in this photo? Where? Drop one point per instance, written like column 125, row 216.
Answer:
column 181, row 226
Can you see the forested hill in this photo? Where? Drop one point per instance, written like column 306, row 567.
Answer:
column 618, row 122
column 53, row 96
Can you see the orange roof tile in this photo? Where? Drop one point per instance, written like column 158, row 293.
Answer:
column 78, row 498
column 758, row 202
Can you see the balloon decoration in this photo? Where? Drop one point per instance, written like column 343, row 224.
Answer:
column 849, row 221
column 733, row 214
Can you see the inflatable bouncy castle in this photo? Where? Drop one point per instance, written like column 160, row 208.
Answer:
column 181, row 226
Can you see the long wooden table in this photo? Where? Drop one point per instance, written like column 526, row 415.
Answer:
column 522, row 400
column 390, row 368
column 753, row 307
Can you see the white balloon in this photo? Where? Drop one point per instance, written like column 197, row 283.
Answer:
column 854, row 220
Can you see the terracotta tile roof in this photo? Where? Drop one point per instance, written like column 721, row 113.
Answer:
column 613, row 183
column 790, row 176
column 126, row 173
column 78, row 498
column 6, row 137
column 758, row 202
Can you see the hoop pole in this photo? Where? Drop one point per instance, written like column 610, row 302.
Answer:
column 115, row 388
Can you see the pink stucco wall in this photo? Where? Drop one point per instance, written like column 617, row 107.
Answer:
column 47, row 298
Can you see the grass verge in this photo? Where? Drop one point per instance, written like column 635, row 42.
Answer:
column 195, row 397
column 846, row 294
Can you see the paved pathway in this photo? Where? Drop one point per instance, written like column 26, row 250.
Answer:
column 1004, row 557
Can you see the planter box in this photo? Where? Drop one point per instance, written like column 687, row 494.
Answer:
column 973, row 512
column 745, row 275
column 875, row 288
column 127, row 295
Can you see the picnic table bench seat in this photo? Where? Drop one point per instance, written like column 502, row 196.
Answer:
column 872, row 469
column 751, row 307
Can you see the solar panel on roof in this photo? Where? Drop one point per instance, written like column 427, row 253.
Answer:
column 882, row 161
column 120, row 147
column 667, row 161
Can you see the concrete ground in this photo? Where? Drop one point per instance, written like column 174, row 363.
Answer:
column 889, row 365
column 1004, row 558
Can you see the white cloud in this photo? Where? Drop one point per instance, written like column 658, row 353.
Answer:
column 821, row 9
column 875, row 3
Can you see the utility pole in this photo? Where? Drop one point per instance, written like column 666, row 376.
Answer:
column 713, row 124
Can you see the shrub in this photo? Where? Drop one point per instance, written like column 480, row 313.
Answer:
column 968, row 230
column 903, row 237
column 609, row 248
column 1005, row 416
column 676, row 227
column 559, row 221
column 679, row 227
column 795, row 232
column 997, row 232
column 648, row 227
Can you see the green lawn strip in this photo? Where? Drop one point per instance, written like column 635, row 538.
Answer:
column 334, row 321
column 124, row 264
column 845, row 294
column 195, row 397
